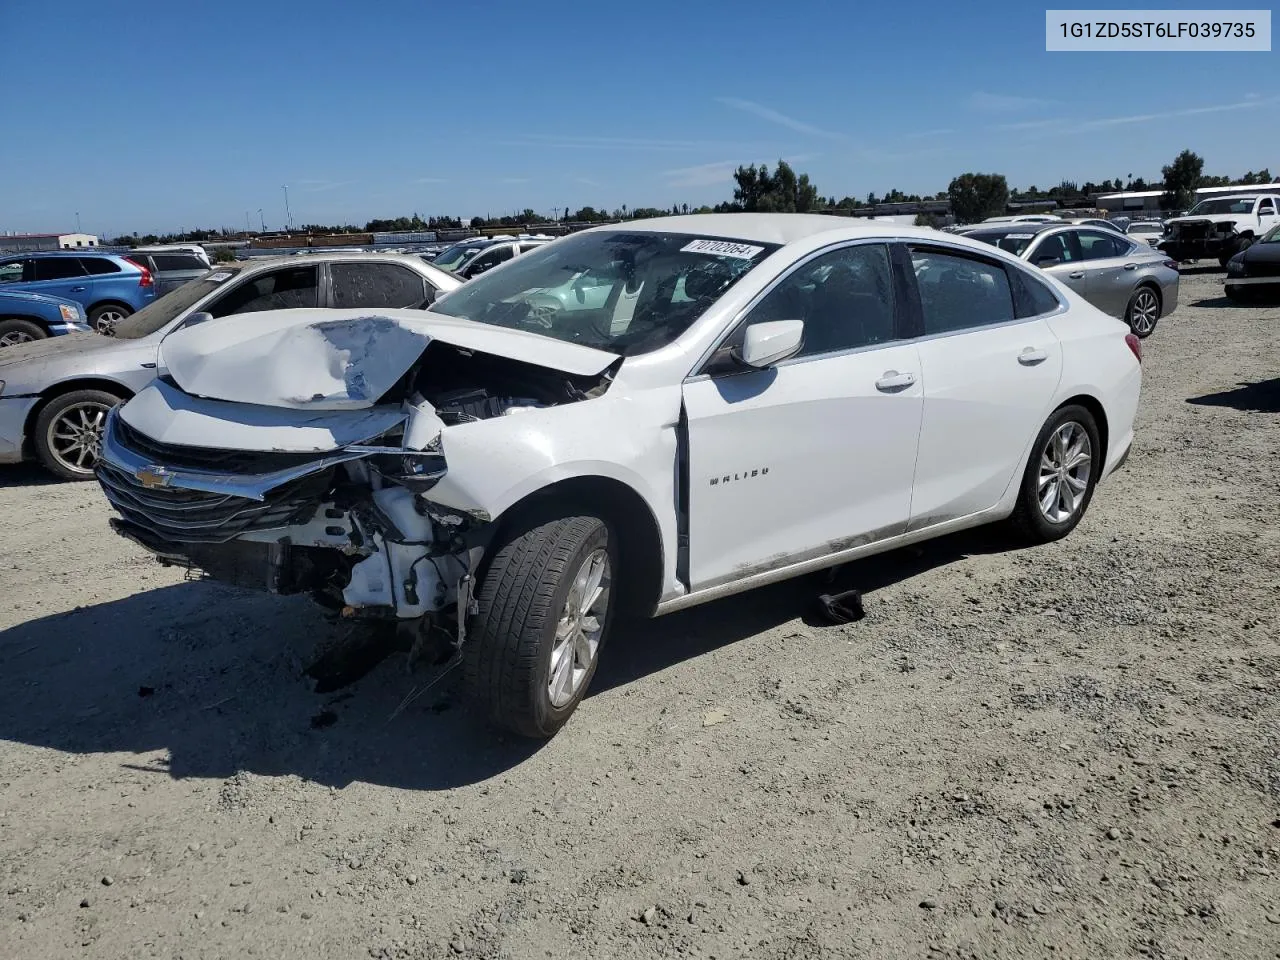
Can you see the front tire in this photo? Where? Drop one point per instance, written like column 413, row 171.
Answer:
column 68, row 432
column 15, row 331
column 1143, row 312
column 546, row 608
column 1060, row 477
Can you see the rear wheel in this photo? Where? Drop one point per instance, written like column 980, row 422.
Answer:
column 1143, row 312
column 1060, row 477
column 545, row 610
column 104, row 318
column 68, row 434
column 15, row 331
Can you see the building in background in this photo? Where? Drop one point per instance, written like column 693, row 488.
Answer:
column 40, row 242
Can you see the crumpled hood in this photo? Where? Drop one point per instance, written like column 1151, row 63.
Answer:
column 315, row 359
column 1208, row 218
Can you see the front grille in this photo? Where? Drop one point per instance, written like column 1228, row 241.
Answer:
column 206, row 458
column 179, row 515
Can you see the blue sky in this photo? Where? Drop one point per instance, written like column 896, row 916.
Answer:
column 158, row 116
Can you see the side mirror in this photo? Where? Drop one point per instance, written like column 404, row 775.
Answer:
column 768, row 343
column 1047, row 261
column 195, row 318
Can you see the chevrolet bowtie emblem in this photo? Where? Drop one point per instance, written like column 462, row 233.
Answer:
column 153, row 477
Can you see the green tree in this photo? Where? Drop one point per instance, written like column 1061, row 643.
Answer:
column 780, row 191
column 977, row 195
column 1180, row 180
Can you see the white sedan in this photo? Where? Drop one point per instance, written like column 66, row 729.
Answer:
column 753, row 397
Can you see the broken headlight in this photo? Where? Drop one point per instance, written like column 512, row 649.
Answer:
column 418, row 472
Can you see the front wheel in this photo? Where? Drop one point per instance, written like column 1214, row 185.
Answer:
column 1143, row 312
column 545, row 611
column 105, row 317
column 16, row 331
column 68, row 434
column 1060, row 477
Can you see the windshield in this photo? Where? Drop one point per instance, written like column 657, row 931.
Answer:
column 1013, row 240
column 1223, row 205
column 627, row 293
column 451, row 258
column 163, row 309
column 1272, row 235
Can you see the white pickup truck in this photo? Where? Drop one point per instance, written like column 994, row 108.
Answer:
column 1220, row 227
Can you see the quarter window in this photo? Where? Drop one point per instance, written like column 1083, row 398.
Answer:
column 178, row 261
column 375, row 285
column 97, row 265
column 490, row 258
column 1031, row 295
column 279, row 290
column 957, row 293
column 844, row 297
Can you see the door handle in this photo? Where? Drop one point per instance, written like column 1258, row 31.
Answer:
column 1131, row 266
column 1030, row 356
column 1078, row 275
column 77, row 289
column 893, row 381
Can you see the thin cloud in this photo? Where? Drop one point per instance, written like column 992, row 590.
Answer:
column 1031, row 124
column 514, row 180
column 570, row 142
column 1060, row 125
column 703, row 175
column 985, row 102
column 586, row 182
column 321, row 186
column 773, row 116
column 923, row 134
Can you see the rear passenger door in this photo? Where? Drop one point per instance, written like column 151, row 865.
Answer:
column 990, row 367
column 356, row 284
column 59, row 277
column 1110, row 268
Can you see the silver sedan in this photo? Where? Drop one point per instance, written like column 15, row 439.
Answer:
column 1114, row 272
column 55, row 393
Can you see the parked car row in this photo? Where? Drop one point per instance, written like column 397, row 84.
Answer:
column 561, row 440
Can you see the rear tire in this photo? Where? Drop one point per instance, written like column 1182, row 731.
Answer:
column 15, row 331
column 104, row 317
column 546, row 608
column 1143, row 312
column 1057, row 485
column 68, row 432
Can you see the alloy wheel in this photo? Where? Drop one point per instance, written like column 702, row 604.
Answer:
column 1066, row 463
column 1146, row 311
column 15, row 337
column 106, row 321
column 75, row 436
column 580, row 627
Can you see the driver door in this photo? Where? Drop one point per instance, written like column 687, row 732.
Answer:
column 817, row 453
column 1059, row 255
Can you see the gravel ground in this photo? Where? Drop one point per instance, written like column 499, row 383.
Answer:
column 1069, row 751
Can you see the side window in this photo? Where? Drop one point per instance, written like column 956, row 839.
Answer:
column 1031, row 295
column 1096, row 245
column 278, row 290
column 1059, row 247
column 1267, row 206
column 526, row 247
column 96, row 266
column 844, row 297
column 491, row 258
column 375, row 285
column 957, row 293
column 11, row 272
column 57, row 268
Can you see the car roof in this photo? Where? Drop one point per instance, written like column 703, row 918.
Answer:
column 350, row 256
column 1235, row 196
column 779, row 228
column 1023, row 227
column 82, row 252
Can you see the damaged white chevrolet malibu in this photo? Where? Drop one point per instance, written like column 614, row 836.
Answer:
column 632, row 419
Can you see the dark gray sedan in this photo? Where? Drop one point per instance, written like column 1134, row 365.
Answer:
column 1118, row 275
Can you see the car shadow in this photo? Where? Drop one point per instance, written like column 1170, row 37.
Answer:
column 27, row 475
column 1260, row 397
column 202, row 680
column 1200, row 269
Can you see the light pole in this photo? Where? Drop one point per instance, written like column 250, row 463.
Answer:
column 262, row 222
column 287, row 215
column 77, row 221
column 247, row 228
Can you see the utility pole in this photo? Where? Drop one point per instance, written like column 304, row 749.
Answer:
column 246, row 222
column 78, row 221
column 261, row 221
column 287, row 215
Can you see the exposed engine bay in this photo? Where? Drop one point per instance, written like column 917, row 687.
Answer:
column 353, row 527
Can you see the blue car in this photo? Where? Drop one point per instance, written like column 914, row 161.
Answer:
column 32, row 316
column 107, row 287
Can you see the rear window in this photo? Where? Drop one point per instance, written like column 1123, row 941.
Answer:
column 178, row 261
column 164, row 309
column 98, row 265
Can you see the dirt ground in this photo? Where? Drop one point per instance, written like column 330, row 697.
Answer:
column 1068, row 751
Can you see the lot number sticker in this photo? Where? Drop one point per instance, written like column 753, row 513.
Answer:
column 219, row 276
column 722, row 248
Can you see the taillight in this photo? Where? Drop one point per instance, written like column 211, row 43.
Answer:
column 145, row 280
column 1134, row 344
